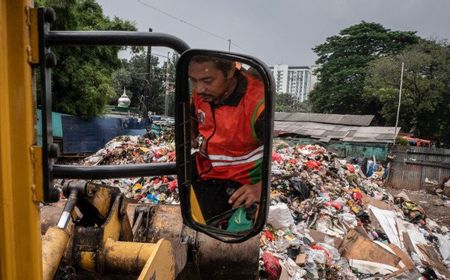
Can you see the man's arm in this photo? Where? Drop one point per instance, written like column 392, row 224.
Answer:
column 246, row 195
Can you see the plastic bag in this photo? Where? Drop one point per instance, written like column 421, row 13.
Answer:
column 280, row 216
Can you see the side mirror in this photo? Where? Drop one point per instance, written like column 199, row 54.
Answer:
column 224, row 122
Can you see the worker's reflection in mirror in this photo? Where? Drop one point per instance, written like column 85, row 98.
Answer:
column 227, row 106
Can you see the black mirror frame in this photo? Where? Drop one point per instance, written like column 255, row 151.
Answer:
column 183, row 140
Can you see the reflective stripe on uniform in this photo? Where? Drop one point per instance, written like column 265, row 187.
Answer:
column 228, row 163
column 230, row 158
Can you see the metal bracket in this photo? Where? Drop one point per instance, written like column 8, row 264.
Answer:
column 186, row 238
column 33, row 48
column 38, row 186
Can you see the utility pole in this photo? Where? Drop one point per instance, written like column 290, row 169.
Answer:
column 166, row 97
column 229, row 45
column 149, row 79
column 399, row 101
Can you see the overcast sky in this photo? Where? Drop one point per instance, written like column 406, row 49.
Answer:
column 277, row 31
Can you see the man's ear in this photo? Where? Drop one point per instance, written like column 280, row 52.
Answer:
column 231, row 73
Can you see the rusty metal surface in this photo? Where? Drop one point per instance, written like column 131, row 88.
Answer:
column 200, row 256
column 354, row 120
column 166, row 222
column 50, row 214
column 218, row 260
column 325, row 132
column 412, row 165
column 205, row 258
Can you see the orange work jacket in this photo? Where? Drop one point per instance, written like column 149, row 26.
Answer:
column 233, row 150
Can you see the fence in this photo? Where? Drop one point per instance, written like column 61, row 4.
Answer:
column 412, row 165
column 347, row 149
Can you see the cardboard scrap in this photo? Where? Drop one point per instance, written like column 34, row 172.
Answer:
column 351, row 249
column 403, row 256
column 432, row 259
column 284, row 274
column 321, row 237
column 367, row 200
column 411, row 238
column 368, row 267
column 397, row 273
column 300, row 259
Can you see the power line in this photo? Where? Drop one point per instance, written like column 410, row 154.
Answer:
column 160, row 55
column 189, row 24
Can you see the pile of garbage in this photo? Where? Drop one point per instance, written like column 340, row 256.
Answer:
column 138, row 150
column 329, row 220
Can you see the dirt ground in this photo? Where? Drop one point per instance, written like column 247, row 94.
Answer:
column 435, row 207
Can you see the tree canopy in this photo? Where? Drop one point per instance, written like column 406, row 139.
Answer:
column 343, row 61
column 425, row 104
column 285, row 102
column 82, row 80
column 134, row 77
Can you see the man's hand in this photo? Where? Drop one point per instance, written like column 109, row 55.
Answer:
column 247, row 195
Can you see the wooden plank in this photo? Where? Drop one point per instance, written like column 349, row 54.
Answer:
column 411, row 165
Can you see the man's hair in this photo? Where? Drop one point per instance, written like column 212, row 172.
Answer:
column 222, row 64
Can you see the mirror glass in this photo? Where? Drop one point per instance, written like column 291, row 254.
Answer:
column 227, row 113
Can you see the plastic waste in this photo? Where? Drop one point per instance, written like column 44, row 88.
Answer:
column 280, row 216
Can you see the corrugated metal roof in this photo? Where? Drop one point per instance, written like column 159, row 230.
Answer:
column 357, row 120
column 326, row 132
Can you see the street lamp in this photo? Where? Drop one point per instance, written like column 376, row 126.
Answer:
column 399, row 101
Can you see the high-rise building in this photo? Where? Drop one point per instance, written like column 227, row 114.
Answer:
column 295, row 80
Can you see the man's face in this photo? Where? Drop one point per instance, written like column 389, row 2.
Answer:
column 209, row 82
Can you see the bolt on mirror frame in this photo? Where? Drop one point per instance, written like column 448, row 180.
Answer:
column 183, row 141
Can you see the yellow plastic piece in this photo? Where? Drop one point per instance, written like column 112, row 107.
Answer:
column 197, row 214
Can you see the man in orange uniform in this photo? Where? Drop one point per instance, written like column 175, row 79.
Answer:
column 227, row 114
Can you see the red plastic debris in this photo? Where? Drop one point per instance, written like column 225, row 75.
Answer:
column 269, row 235
column 350, row 168
column 277, row 157
column 173, row 185
column 157, row 154
column 171, row 156
column 333, row 204
column 357, row 195
column 326, row 251
column 312, row 164
column 272, row 266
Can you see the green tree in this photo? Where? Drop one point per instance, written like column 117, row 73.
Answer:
column 343, row 61
column 81, row 81
column 134, row 77
column 285, row 102
column 425, row 106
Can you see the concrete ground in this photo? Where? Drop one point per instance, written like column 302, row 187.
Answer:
column 435, row 207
